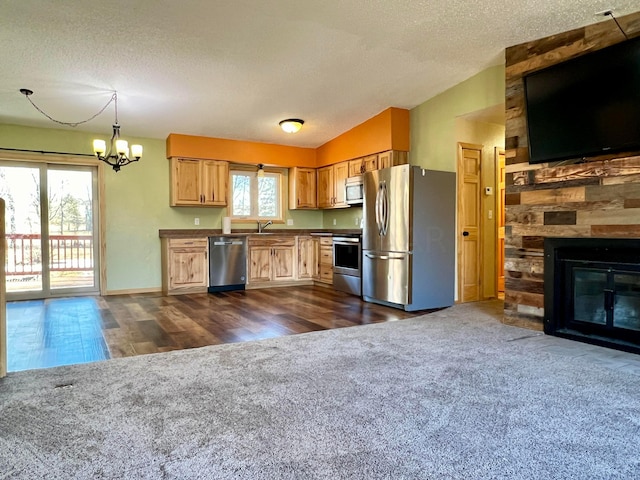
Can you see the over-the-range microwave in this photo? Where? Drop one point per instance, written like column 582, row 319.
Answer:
column 354, row 190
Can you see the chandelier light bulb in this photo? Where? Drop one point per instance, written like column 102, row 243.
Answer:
column 122, row 146
column 99, row 146
column 136, row 151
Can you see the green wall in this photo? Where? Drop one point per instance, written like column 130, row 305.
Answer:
column 433, row 123
column 136, row 204
column 137, row 198
column 344, row 217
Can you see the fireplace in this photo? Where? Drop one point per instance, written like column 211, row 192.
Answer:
column 592, row 291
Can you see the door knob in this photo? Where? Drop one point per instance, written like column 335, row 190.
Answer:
column 465, row 234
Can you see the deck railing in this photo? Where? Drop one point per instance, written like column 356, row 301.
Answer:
column 67, row 253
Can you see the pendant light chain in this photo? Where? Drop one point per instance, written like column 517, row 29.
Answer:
column 114, row 98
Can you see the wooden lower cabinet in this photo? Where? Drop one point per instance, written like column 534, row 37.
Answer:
column 259, row 263
column 325, row 253
column 185, row 265
column 308, row 258
column 271, row 259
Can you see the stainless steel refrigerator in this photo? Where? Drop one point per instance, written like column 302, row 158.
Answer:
column 409, row 237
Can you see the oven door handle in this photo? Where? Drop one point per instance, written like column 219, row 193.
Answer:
column 347, row 241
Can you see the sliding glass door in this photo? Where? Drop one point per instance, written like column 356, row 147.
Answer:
column 51, row 224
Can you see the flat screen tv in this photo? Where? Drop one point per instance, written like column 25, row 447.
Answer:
column 586, row 106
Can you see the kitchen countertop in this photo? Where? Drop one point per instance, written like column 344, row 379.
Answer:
column 210, row 232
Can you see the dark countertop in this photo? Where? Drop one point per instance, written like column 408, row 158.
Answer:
column 210, row 232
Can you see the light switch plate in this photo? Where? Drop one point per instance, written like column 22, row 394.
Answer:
column 289, row 221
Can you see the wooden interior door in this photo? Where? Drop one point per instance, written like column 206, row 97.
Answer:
column 500, row 215
column 469, row 222
column 3, row 309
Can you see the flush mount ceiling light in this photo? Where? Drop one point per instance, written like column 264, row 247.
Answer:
column 291, row 125
column 118, row 154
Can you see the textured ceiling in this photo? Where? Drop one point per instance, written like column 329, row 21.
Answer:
column 233, row 69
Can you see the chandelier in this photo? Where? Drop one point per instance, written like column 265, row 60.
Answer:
column 118, row 154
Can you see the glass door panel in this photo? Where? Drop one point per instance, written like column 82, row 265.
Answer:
column 626, row 309
column 20, row 188
column 51, row 219
column 71, row 240
column 588, row 295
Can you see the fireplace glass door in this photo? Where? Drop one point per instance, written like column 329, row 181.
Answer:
column 604, row 299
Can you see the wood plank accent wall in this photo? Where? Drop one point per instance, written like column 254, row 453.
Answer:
column 599, row 197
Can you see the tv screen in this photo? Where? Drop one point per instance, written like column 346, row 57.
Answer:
column 586, row 106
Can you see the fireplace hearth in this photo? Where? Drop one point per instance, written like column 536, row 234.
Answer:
column 592, row 291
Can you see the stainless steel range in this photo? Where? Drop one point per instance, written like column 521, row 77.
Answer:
column 347, row 263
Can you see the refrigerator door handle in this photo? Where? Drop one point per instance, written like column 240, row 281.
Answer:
column 379, row 208
column 385, row 208
column 384, row 257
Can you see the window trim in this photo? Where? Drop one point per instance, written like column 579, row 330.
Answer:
column 251, row 169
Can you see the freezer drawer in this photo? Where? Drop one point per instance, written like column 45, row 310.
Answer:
column 386, row 276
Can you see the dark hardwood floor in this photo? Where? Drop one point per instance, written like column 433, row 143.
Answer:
column 46, row 333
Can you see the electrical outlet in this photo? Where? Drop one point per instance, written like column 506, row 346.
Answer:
column 490, row 214
column 289, row 221
column 334, row 221
column 357, row 221
column 196, row 221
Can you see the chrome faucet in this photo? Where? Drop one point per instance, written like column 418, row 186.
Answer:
column 262, row 227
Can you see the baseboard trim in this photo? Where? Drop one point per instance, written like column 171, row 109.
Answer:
column 277, row 284
column 133, row 291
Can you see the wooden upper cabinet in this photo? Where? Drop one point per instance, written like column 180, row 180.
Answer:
column 355, row 167
column 370, row 163
column 325, row 187
column 185, row 182
column 340, row 174
column 392, row 158
column 302, row 188
column 331, row 185
column 199, row 182
column 215, row 182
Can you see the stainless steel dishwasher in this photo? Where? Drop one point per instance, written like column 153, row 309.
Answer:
column 227, row 263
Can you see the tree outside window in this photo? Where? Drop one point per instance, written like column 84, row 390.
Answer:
column 254, row 197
